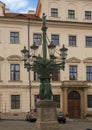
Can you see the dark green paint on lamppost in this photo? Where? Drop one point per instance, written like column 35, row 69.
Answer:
column 42, row 65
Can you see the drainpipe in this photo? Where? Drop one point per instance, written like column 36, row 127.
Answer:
column 29, row 74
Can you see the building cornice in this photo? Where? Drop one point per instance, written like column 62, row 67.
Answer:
column 75, row 84
column 73, row 60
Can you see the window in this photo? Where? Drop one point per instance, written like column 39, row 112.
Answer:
column 71, row 14
column 36, row 77
column 55, row 39
column 73, row 72
column 37, row 38
column 89, row 101
column 87, row 14
column 89, row 41
column 56, row 76
column 72, row 40
column 89, row 73
column 54, row 12
column 56, row 98
column 15, row 101
column 14, row 37
column 15, row 72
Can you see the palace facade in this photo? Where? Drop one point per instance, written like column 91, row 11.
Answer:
column 69, row 22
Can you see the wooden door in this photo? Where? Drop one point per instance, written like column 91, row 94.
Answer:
column 74, row 104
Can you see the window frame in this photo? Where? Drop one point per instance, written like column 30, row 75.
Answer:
column 37, row 38
column 56, row 76
column 14, row 37
column 72, row 40
column 88, row 15
column 56, row 98
column 16, row 73
column 89, row 101
column 73, row 72
column 88, row 73
column 15, row 101
column 71, row 14
column 54, row 12
column 88, row 40
column 55, row 39
column 36, row 77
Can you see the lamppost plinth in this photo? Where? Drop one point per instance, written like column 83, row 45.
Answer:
column 45, row 67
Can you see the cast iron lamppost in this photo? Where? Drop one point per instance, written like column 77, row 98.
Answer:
column 44, row 66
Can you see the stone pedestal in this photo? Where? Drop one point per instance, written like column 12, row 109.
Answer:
column 46, row 116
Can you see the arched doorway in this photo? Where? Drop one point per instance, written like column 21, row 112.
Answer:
column 74, row 104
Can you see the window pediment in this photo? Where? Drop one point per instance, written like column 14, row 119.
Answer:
column 88, row 60
column 1, row 58
column 73, row 60
column 14, row 58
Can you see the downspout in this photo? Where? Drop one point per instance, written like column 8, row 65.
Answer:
column 29, row 74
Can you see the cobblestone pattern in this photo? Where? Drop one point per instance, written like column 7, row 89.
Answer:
column 24, row 125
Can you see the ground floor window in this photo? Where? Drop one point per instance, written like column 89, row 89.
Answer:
column 36, row 98
column 89, row 101
column 15, row 101
column 56, row 98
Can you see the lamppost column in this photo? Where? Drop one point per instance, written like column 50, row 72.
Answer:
column 44, row 29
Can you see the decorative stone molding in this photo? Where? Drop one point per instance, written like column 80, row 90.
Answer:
column 73, row 60
column 14, row 58
column 87, row 60
column 1, row 58
column 76, row 84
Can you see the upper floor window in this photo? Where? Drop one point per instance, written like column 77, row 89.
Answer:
column 72, row 40
column 37, row 38
column 15, row 101
column 14, row 37
column 89, row 101
column 87, row 14
column 56, row 76
column 89, row 41
column 55, row 39
column 15, row 72
column 73, row 72
column 36, row 77
column 89, row 73
column 71, row 14
column 54, row 12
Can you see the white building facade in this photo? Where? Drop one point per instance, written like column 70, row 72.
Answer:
column 69, row 22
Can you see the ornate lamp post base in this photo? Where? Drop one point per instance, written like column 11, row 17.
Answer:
column 46, row 116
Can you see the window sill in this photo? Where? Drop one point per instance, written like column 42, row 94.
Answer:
column 52, row 17
column 73, row 46
column 88, row 46
column 72, row 19
column 1, row 80
column 17, row 81
column 14, row 43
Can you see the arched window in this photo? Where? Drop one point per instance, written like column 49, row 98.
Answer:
column 73, row 95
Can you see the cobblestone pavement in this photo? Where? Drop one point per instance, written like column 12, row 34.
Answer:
column 24, row 125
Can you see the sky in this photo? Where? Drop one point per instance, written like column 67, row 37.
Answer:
column 20, row 6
